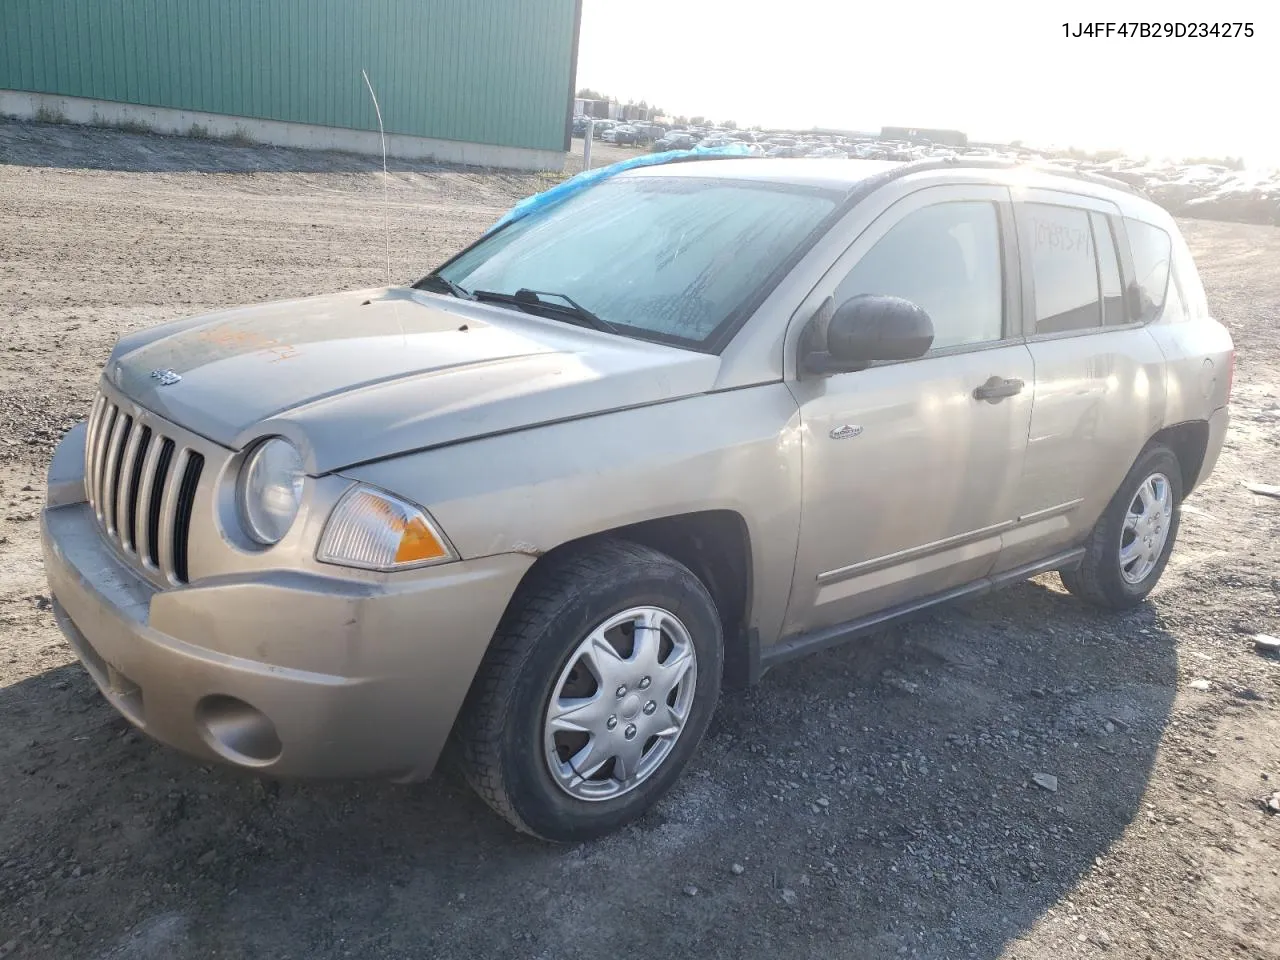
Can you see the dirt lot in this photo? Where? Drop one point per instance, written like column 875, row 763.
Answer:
column 878, row 798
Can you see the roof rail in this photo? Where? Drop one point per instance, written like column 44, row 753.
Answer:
column 996, row 163
column 951, row 163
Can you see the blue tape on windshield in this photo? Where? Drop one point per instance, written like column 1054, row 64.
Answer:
column 588, row 178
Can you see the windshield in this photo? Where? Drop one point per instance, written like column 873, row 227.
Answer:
column 666, row 258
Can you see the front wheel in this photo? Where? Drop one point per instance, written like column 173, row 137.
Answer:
column 1130, row 545
column 594, row 694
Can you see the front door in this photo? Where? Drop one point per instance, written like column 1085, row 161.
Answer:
column 911, row 470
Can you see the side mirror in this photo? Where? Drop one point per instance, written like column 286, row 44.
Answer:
column 870, row 329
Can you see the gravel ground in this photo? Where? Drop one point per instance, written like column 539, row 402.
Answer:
column 1013, row 777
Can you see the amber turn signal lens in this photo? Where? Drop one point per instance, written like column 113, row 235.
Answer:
column 376, row 530
column 418, row 543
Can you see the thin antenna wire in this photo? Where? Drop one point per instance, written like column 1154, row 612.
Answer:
column 386, row 228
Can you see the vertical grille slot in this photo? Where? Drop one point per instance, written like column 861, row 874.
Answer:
column 101, row 444
column 90, row 444
column 182, row 514
column 157, row 496
column 115, row 460
column 129, row 522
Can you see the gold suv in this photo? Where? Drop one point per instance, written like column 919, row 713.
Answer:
column 670, row 430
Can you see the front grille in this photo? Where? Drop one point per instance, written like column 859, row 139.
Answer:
column 142, row 486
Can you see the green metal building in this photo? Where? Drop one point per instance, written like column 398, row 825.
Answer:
column 471, row 81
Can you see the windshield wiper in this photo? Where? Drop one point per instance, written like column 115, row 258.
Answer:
column 449, row 286
column 532, row 300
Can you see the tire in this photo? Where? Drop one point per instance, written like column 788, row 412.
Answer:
column 502, row 733
column 1101, row 578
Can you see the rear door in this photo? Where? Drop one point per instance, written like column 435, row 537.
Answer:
column 1099, row 376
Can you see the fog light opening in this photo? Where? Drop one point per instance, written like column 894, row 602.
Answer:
column 235, row 730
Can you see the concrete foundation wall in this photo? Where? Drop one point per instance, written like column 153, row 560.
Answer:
column 33, row 106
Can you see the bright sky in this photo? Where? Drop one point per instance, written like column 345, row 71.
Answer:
column 996, row 69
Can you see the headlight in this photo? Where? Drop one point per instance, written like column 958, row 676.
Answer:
column 270, row 490
column 374, row 530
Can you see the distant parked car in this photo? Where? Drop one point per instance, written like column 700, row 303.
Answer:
column 649, row 132
column 599, row 126
column 676, row 141
column 626, row 134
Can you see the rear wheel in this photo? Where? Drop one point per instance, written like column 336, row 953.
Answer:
column 1130, row 545
column 594, row 694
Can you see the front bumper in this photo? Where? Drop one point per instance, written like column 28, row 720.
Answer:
column 287, row 672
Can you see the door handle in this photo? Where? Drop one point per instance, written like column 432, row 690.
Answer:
column 997, row 388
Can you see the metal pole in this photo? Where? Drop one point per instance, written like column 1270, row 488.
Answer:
column 586, row 144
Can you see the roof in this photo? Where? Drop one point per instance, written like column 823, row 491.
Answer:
column 855, row 179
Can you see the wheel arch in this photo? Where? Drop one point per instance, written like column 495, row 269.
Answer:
column 1189, row 442
column 716, row 546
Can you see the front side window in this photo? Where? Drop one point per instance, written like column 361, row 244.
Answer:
column 1151, row 252
column 668, row 258
column 1058, row 241
column 945, row 259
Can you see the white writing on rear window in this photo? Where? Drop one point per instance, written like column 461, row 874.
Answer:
column 1051, row 235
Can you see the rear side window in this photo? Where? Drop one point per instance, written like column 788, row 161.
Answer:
column 946, row 259
column 1113, row 312
column 1151, row 251
column 1058, row 241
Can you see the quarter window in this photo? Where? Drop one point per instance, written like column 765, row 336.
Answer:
column 1151, row 250
column 1058, row 242
column 945, row 259
column 1175, row 310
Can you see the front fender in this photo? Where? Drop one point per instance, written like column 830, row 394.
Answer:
column 534, row 490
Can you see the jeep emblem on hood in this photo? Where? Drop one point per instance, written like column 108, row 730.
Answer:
column 166, row 377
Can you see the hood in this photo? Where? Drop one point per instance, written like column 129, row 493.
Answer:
column 368, row 374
